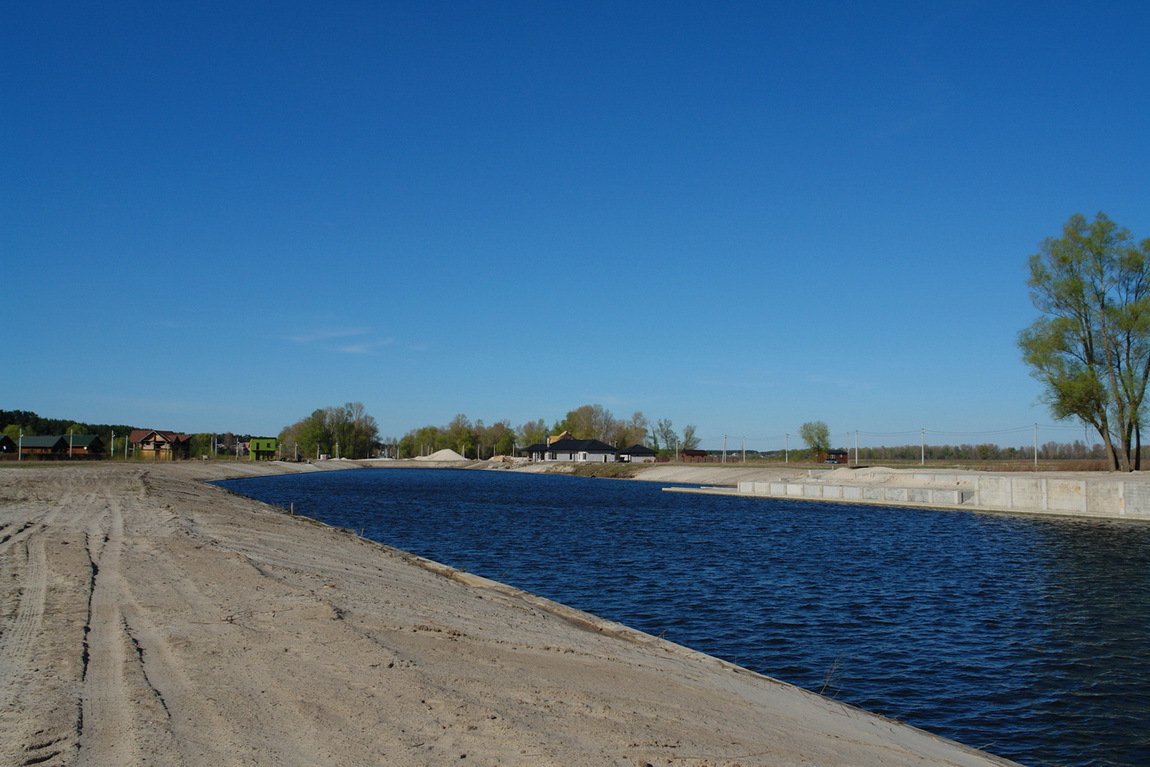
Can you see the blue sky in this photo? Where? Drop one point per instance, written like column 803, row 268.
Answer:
column 741, row 216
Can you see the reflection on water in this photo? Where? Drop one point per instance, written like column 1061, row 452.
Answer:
column 1023, row 635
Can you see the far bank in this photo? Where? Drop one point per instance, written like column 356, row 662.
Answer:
column 1064, row 493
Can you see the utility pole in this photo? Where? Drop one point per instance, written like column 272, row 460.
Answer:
column 724, row 448
column 1036, row 447
column 922, row 460
column 787, row 449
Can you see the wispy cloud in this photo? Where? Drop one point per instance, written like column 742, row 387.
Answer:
column 348, row 340
column 364, row 347
column 319, row 336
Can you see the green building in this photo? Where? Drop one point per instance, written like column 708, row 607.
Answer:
column 263, row 448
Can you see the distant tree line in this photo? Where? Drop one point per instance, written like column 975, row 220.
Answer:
column 461, row 435
column 15, row 422
column 1050, row 451
column 479, row 440
column 347, row 431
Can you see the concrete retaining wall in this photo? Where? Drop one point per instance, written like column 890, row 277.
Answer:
column 1125, row 499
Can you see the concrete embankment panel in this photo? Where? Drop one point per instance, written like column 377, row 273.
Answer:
column 1137, row 499
column 1102, row 497
column 919, row 495
column 1067, row 495
column 1027, row 493
column 993, row 492
column 1024, row 493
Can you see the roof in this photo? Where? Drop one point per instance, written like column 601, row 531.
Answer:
column 42, row 441
column 139, row 435
column 580, row 446
column 639, row 450
column 84, row 440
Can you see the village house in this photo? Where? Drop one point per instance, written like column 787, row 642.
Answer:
column 42, row 447
column 573, row 450
column 160, row 445
column 85, row 446
column 262, row 448
column 53, row 447
column 638, row 454
column 836, row 456
column 565, row 448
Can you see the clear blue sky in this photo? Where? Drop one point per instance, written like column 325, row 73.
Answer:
column 743, row 216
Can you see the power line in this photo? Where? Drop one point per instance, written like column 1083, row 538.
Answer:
column 781, row 439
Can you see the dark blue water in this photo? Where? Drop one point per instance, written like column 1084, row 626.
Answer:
column 1025, row 636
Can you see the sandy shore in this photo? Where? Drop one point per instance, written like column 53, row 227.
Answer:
column 149, row 619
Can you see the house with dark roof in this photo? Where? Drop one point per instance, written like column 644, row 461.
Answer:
column 55, row 446
column 536, row 452
column 161, row 445
column 580, row 451
column 85, row 446
column 43, row 447
column 638, row 454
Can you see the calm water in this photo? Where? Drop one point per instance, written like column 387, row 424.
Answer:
column 1025, row 636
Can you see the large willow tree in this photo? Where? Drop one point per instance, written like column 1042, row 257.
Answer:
column 1091, row 346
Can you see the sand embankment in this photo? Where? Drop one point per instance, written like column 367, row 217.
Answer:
column 711, row 474
column 147, row 618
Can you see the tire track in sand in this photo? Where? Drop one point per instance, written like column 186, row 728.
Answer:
column 144, row 700
column 24, row 584
column 106, row 731
column 18, row 641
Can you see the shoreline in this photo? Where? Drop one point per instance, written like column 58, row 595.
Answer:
column 151, row 618
column 1076, row 494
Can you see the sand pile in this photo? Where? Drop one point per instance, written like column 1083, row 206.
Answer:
column 442, row 455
